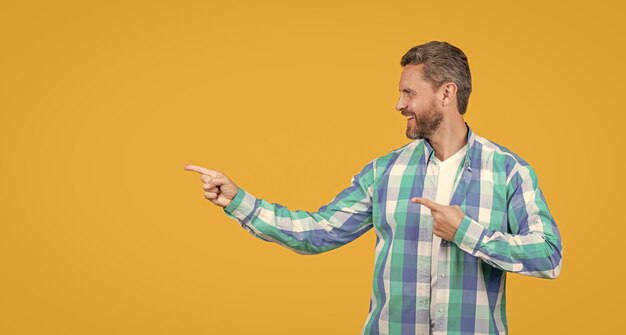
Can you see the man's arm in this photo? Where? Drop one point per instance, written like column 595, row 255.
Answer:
column 532, row 248
column 346, row 217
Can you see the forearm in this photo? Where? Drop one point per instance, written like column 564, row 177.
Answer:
column 301, row 231
column 534, row 253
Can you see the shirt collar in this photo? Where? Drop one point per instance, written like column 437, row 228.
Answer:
column 471, row 138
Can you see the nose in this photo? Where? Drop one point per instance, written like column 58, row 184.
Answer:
column 400, row 105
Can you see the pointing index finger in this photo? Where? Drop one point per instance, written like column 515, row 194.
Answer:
column 201, row 170
column 433, row 206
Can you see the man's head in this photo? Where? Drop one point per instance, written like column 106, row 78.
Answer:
column 443, row 63
column 435, row 80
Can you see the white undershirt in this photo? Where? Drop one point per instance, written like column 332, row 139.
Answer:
column 445, row 187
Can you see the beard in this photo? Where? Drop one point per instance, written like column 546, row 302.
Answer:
column 426, row 123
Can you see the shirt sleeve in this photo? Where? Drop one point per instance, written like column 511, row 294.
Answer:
column 532, row 245
column 346, row 217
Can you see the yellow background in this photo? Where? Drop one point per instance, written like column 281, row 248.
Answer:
column 103, row 104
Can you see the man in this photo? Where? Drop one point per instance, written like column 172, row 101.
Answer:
column 452, row 211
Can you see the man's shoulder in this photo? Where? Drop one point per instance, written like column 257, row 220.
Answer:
column 384, row 162
column 489, row 146
column 395, row 153
column 500, row 157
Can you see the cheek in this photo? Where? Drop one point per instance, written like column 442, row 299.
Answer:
column 415, row 106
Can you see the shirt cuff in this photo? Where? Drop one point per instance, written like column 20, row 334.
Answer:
column 241, row 206
column 469, row 235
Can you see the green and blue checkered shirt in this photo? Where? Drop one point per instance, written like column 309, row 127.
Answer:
column 507, row 228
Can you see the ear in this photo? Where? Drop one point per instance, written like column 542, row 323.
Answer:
column 448, row 93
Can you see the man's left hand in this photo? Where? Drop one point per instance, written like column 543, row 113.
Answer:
column 446, row 219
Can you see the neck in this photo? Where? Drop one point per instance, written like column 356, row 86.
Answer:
column 449, row 138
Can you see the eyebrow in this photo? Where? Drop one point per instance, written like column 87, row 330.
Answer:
column 407, row 90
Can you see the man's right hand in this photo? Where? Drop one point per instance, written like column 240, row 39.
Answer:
column 218, row 189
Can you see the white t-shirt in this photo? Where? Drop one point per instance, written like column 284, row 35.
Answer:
column 445, row 186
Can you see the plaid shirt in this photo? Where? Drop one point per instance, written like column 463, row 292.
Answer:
column 507, row 227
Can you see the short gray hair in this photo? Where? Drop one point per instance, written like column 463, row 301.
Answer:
column 443, row 63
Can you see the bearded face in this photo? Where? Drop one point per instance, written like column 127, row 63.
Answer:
column 422, row 124
column 417, row 102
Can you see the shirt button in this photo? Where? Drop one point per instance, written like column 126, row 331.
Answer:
column 443, row 275
column 440, row 310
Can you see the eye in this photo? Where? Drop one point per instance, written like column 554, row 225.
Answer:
column 408, row 92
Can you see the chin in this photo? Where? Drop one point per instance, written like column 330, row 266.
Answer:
column 413, row 135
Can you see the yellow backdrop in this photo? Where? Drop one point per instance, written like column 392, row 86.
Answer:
column 102, row 231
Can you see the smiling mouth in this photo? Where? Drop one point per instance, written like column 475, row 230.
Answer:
column 408, row 116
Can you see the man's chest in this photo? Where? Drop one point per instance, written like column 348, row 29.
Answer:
column 481, row 194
